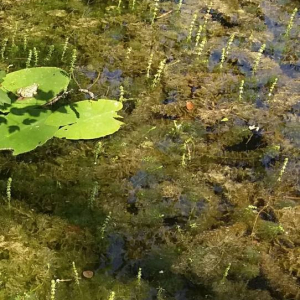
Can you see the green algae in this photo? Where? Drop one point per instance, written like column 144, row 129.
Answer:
column 191, row 197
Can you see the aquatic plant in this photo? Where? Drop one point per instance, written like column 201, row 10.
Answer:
column 241, row 89
column 272, row 87
column 268, row 231
column 200, row 49
column 3, row 47
column 207, row 17
column 25, row 42
column 98, row 150
column 187, row 151
column 13, row 36
column 28, row 62
column 205, row 253
column 258, row 58
column 105, row 224
column 75, row 273
column 229, row 43
column 93, row 195
column 159, row 72
column 73, row 60
column 8, row 191
column 291, row 23
column 282, row 170
column 36, row 123
column 179, row 5
column 226, row 49
column 198, row 35
column 36, row 56
column 112, row 296
column 226, row 273
column 119, row 4
column 222, row 57
column 232, row 174
column 53, row 289
column 279, row 279
column 50, row 52
column 139, row 276
column 121, row 96
column 160, row 293
column 65, row 47
column 149, row 65
column 155, row 11
column 133, row 5
column 128, row 51
column 189, row 37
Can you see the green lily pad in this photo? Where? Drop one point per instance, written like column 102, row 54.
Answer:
column 86, row 119
column 51, row 81
column 24, row 130
column 4, row 98
column 5, row 107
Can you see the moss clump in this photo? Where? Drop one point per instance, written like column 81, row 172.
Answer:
column 214, row 251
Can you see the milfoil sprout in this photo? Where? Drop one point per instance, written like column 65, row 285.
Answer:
column 3, row 47
column 189, row 37
column 258, row 58
column 291, row 23
column 272, row 87
column 8, row 191
column 241, row 90
column 149, row 65
column 28, row 62
column 160, row 70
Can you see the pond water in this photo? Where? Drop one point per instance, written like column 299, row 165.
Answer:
column 197, row 195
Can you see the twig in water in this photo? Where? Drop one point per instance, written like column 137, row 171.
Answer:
column 92, row 95
column 165, row 14
column 58, row 97
column 99, row 73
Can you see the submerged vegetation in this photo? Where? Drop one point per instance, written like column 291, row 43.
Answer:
column 196, row 196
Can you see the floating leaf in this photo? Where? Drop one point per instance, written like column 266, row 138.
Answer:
column 86, row 119
column 5, row 107
column 24, row 130
column 51, row 82
column 4, row 98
